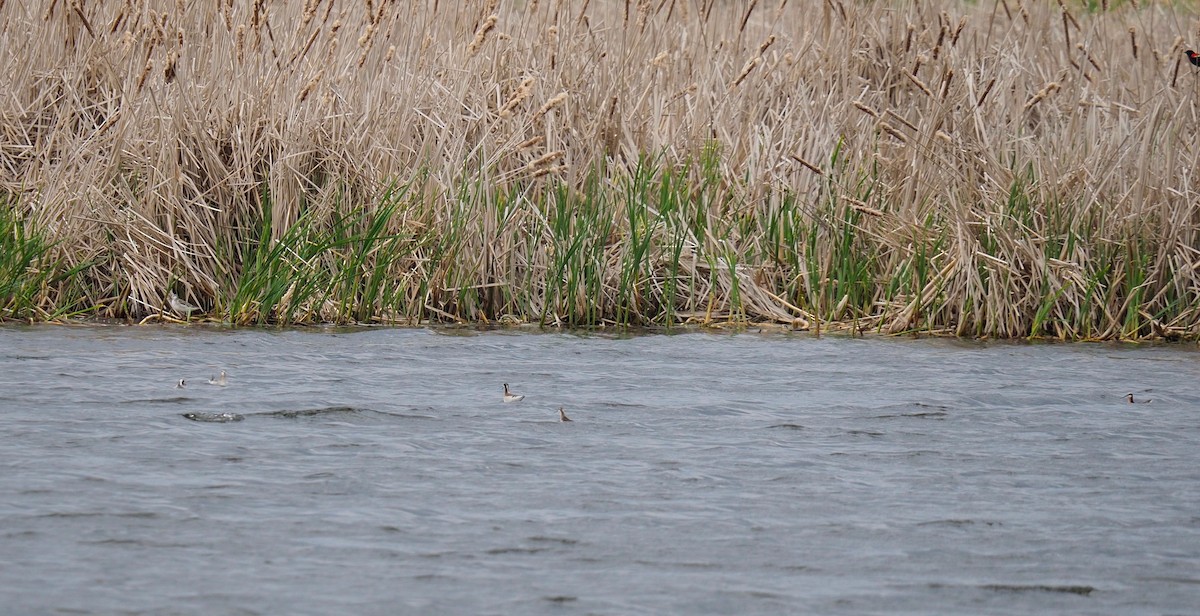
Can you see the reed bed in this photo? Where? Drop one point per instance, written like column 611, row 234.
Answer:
column 999, row 169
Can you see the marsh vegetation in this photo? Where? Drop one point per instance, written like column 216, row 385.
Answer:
column 1009, row 168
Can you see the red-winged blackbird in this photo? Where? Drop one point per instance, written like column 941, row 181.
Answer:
column 1193, row 57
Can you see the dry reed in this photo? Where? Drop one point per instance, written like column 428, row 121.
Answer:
column 1019, row 169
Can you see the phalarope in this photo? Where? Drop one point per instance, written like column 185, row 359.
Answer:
column 1129, row 399
column 219, row 380
column 562, row 415
column 181, row 306
column 181, row 384
column 511, row 397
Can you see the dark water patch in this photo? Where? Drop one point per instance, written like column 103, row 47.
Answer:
column 411, row 414
column 1170, row 580
column 921, row 415
column 344, row 446
column 757, row 594
column 960, row 522
column 786, row 426
column 516, row 550
column 682, row 565
column 135, row 542
column 867, row 433
column 73, row 514
column 917, row 410
column 621, row 406
column 112, row 541
column 319, row 412
column 919, row 453
column 716, row 411
column 134, row 515
column 446, row 554
column 549, row 420
column 1022, row 588
column 560, row 598
column 795, row 568
column 560, row 540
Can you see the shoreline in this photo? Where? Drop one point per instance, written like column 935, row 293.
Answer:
column 830, row 330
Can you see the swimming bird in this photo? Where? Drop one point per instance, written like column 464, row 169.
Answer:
column 181, row 384
column 1129, row 399
column 181, row 306
column 562, row 415
column 219, row 381
column 511, row 397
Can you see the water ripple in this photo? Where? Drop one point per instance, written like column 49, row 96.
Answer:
column 377, row 471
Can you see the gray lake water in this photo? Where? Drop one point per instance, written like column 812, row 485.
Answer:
column 379, row 472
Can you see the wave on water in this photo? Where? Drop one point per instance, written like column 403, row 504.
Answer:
column 1074, row 590
column 329, row 410
column 214, row 417
column 923, row 411
column 171, row 400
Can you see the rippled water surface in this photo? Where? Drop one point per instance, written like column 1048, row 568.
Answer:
column 378, row 472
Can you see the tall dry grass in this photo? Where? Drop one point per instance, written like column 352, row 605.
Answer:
column 997, row 169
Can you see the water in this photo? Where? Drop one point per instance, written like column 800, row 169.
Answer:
column 378, row 472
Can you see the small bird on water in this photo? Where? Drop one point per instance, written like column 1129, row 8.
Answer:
column 1129, row 399
column 181, row 384
column 511, row 397
column 562, row 415
column 180, row 306
column 219, row 381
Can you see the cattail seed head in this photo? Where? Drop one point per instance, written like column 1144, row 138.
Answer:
column 865, row 109
column 481, row 35
column 145, row 73
column 1041, row 94
column 312, row 83
column 169, row 69
column 750, row 66
column 518, row 97
column 550, row 104
column 241, row 42
column 530, row 142
column 545, row 159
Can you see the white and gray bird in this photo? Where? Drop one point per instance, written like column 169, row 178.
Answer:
column 562, row 415
column 181, row 306
column 510, row 396
column 219, row 380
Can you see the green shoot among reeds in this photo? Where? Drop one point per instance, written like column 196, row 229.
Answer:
column 34, row 285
